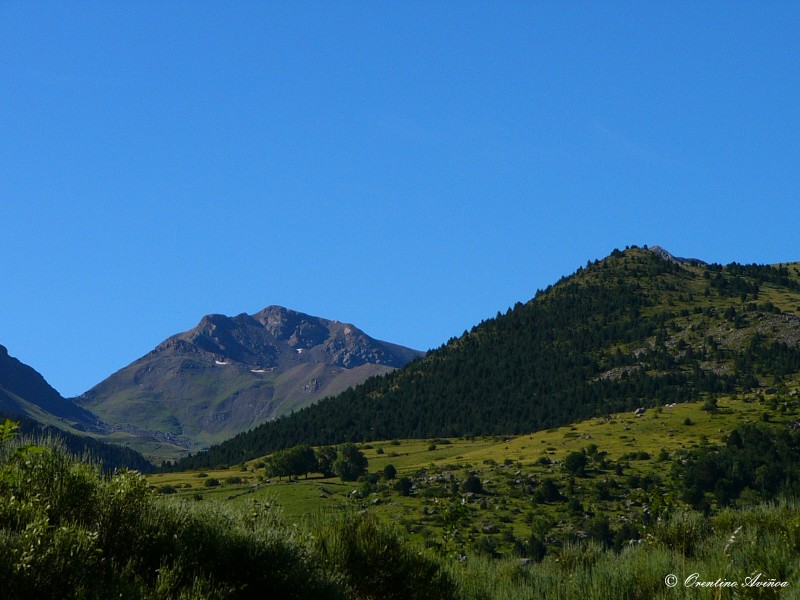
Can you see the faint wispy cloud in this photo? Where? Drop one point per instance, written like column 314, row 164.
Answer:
column 625, row 145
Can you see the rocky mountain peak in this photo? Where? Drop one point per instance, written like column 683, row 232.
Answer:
column 666, row 255
column 298, row 329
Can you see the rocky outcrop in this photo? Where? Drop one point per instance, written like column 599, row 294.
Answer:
column 663, row 253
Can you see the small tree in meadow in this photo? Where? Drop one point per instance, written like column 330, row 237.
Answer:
column 473, row 484
column 575, row 463
column 350, row 462
column 389, row 472
column 326, row 457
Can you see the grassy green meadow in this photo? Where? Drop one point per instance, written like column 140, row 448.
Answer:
column 628, row 479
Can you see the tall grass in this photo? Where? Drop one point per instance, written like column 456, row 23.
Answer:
column 731, row 546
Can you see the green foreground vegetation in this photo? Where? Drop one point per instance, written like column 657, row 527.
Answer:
column 605, row 508
column 69, row 532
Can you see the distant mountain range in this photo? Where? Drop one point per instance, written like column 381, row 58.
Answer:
column 229, row 374
column 638, row 328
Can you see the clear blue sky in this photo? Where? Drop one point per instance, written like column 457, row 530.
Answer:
column 410, row 167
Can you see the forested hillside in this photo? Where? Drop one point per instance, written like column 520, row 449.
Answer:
column 638, row 328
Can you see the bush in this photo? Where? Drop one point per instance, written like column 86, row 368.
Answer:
column 389, row 472
column 575, row 507
column 374, row 562
column 403, row 485
column 575, row 463
column 211, row 482
column 549, row 491
column 683, row 532
column 473, row 485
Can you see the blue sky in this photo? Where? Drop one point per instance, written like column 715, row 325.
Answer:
column 410, row 167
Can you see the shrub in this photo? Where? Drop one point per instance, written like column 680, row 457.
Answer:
column 683, row 532
column 549, row 491
column 575, row 507
column 389, row 472
column 599, row 529
column 374, row 562
column 403, row 485
column 575, row 463
column 473, row 484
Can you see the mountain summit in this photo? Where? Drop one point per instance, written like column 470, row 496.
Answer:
column 228, row 374
column 281, row 338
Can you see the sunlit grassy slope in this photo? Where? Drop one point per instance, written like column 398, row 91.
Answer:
column 512, row 470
